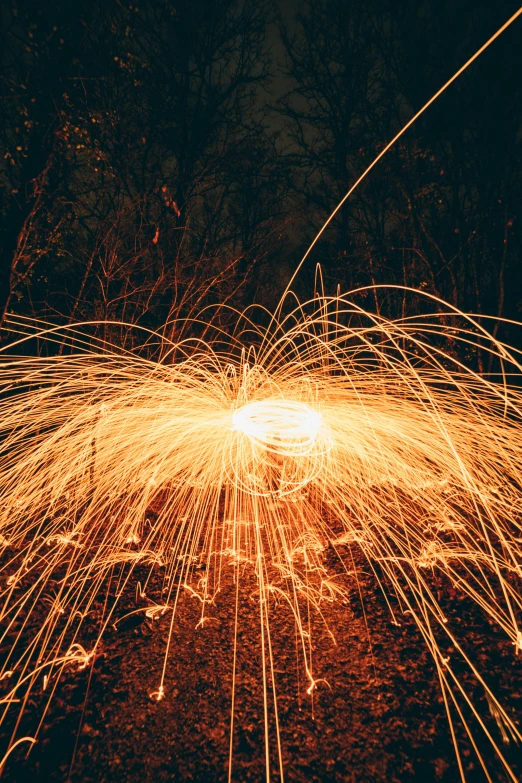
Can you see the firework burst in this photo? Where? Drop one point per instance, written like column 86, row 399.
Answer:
column 333, row 427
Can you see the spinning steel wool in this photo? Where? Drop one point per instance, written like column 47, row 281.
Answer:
column 260, row 455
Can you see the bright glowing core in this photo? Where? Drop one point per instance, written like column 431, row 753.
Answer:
column 283, row 426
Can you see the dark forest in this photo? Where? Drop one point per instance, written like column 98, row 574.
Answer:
column 159, row 156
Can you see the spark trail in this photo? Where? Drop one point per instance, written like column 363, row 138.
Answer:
column 337, row 427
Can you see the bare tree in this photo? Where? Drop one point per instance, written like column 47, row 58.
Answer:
column 166, row 173
column 440, row 212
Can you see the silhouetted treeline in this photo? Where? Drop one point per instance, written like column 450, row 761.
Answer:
column 158, row 156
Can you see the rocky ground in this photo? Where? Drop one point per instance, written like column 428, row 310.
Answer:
column 377, row 713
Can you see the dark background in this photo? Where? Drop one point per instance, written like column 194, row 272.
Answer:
column 162, row 155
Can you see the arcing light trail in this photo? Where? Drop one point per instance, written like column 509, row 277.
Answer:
column 333, row 426
column 395, row 139
column 328, row 434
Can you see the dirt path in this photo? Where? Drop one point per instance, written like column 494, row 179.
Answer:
column 377, row 716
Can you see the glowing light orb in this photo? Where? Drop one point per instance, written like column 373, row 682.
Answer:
column 285, row 427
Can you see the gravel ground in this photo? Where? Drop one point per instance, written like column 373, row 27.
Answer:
column 376, row 714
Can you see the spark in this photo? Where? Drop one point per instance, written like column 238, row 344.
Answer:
column 265, row 453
